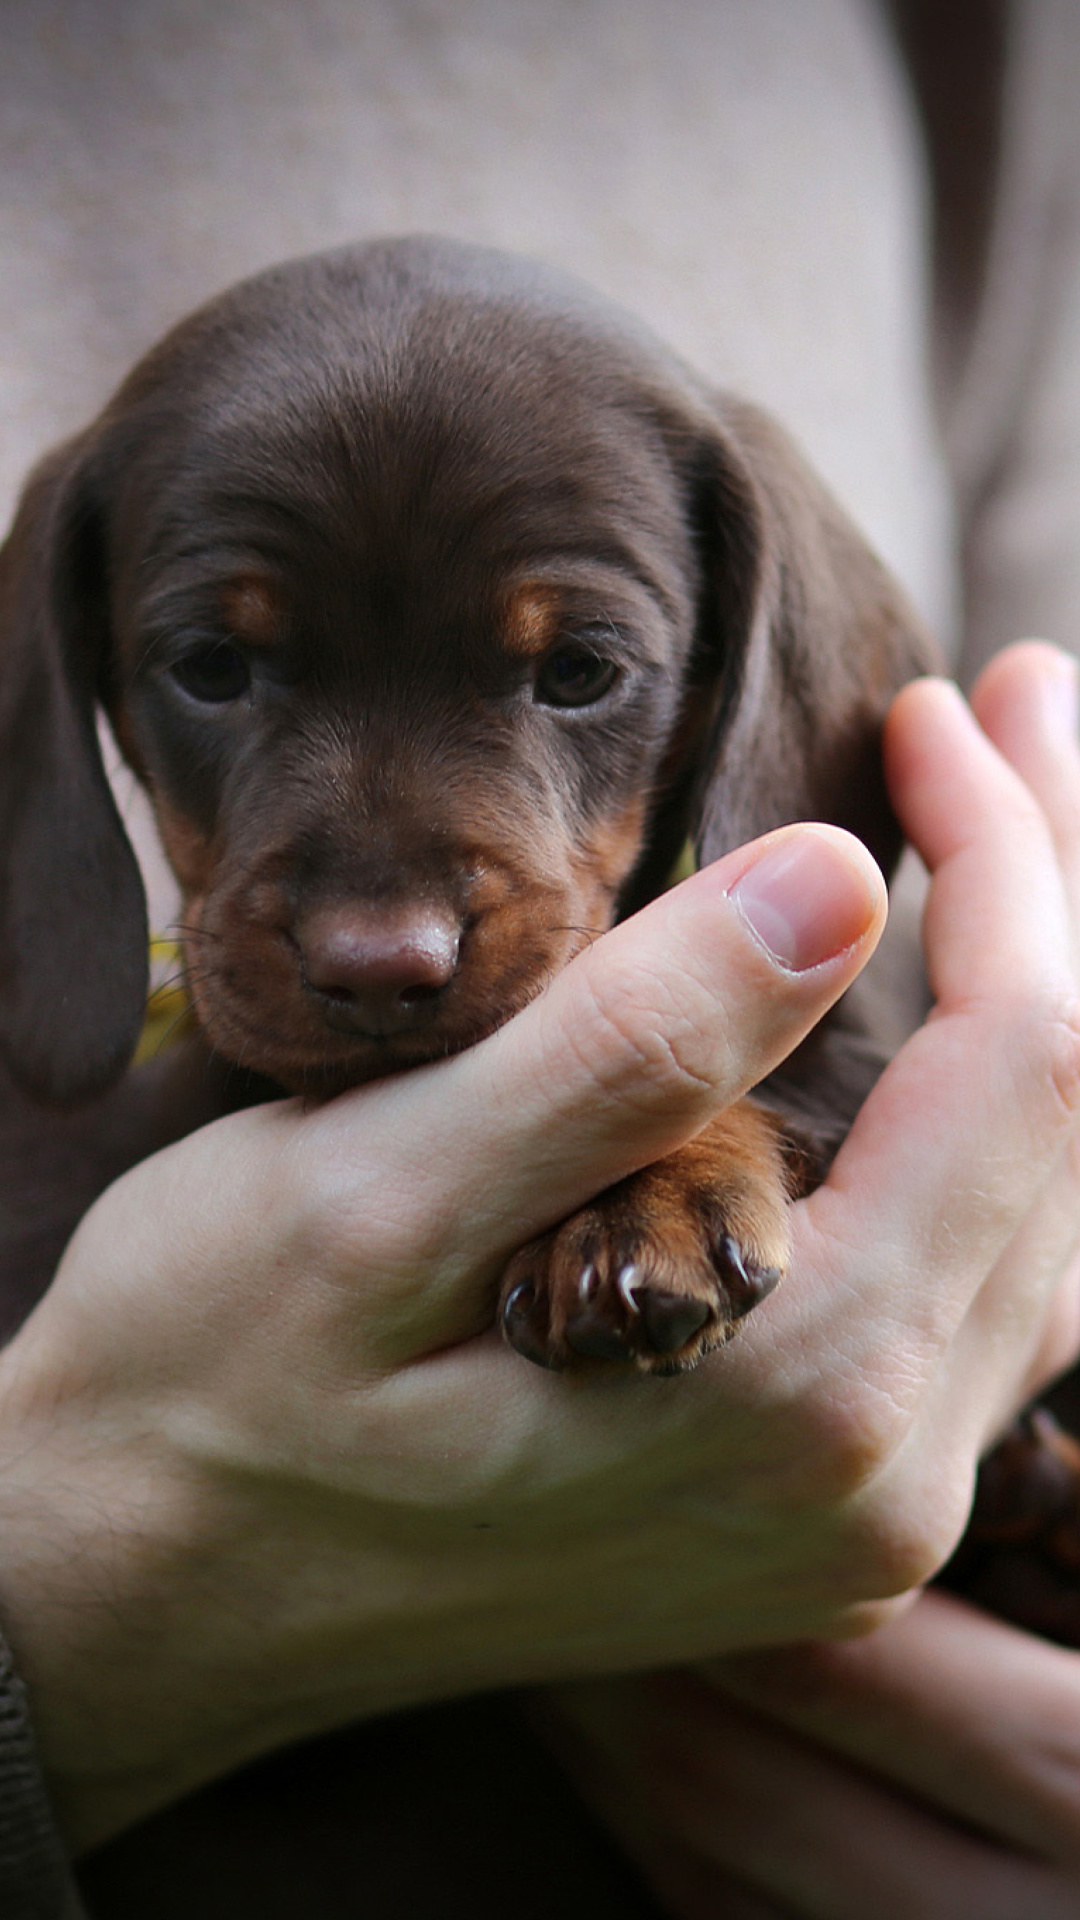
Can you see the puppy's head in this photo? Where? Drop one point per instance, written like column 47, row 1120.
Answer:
column 432, row 601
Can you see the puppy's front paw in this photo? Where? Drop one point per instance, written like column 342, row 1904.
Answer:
column 658, row 1270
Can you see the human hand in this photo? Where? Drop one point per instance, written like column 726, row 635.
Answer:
column 933, row 1768
column 264, row 1474
column 259, row 1410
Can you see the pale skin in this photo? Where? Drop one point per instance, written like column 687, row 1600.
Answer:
column 932, row 1769
column 265, row 1471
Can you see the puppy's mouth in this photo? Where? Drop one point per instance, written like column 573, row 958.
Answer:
column 322, row 1068
column 266, row 1020
column 342, row 992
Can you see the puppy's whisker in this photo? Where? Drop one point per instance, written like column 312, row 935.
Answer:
column 165, row 1039
column 192, row 930
column 183, row 977
column 584, row 937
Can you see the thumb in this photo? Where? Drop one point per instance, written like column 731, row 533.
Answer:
column 628, row 1053
column 659, row 1025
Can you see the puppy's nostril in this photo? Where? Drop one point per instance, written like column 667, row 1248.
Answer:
column 415, row 996
column 341, row 996
column 377, row 971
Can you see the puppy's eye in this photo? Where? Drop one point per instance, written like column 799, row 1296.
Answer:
column 574, row 676
column 214, row 674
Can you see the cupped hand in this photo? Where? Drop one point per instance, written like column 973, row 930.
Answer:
column 266, row 1467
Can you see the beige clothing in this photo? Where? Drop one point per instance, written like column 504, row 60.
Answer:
column 749, row 178
column 746, row 178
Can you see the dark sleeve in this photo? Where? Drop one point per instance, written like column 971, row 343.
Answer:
column 36, row 1881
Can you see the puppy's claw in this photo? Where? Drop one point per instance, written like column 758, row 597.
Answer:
column 588, row 1285
column 669, row 1319
column 657, row 1272
column 744, row 1282
column 525, row 1326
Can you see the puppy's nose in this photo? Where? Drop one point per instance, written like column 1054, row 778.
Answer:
column 378, row 972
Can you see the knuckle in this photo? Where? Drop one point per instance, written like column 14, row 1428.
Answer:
column 906, row 1512
column 857, row 1436
column 1064, row 1055
column 640, row 1043
column 907, row 1546
column 1047, row 1030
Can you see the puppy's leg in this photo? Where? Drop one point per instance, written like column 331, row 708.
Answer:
column 660, row 1268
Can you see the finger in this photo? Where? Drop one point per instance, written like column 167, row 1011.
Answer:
column 977, row 825
column 956, row 1707
column 681, row 1010
column 969, row 1121
column 957, row 1140
column 1040, row 1264
column 798, row 1823
column 1027, row 701
column 593, row 1730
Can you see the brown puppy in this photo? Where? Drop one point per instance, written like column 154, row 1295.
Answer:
column 435, row 603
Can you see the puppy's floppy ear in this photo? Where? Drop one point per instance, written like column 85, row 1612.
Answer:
column 805, row 638
column 72, row 909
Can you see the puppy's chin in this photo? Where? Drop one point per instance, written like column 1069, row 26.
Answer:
column 321, row 1073
column 265, row 1022
column 322, row 1079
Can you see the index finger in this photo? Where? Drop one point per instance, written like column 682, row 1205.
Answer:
column 988, row 843
column 913, row 1703
column 949, row 1153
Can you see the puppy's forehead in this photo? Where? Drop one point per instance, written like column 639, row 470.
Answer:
column 379, row 306
column 414, row 384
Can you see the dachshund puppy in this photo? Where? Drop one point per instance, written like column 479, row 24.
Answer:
column 436, row 604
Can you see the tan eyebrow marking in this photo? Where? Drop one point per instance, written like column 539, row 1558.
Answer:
column 254, row 608
column 532, row 618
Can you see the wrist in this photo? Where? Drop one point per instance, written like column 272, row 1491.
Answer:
column 103, row 1552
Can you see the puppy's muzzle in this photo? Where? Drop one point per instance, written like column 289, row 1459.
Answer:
column 377, row 973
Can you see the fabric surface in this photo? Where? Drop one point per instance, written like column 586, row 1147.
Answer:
column 35, row 1880
column 152, row 151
